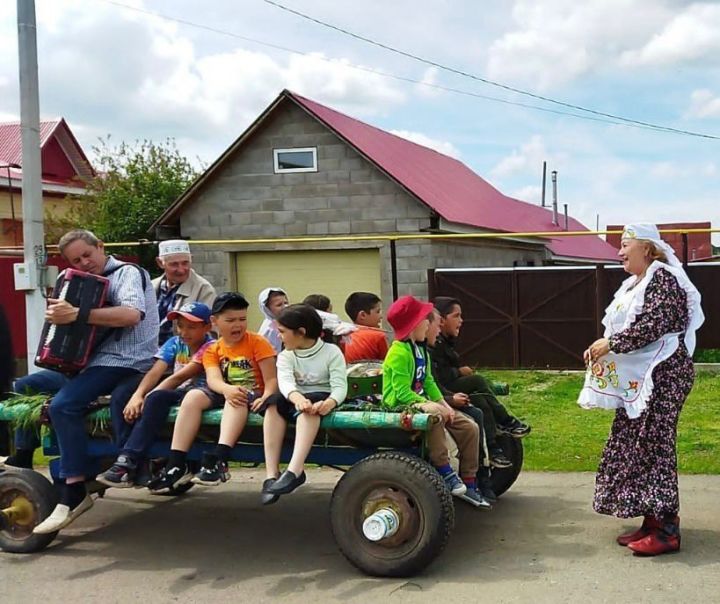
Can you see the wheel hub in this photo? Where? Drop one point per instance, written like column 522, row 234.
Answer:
column 17, row 513
column 399, row 503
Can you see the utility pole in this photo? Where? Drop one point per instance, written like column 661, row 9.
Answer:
column 32, row 203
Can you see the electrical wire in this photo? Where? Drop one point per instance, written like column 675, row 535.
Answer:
column 385, row 74
column 485, row 80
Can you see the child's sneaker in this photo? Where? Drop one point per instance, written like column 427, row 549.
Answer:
column 212, row 474
column 454, row 484
column 499, row 460
column 143, row 475
column 121, row 474
column 474, row 498
column 484, row 485
column 514, row 428
column 169, row 479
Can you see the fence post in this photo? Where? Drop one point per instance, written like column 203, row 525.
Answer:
column 600, row 287
column 515, row 318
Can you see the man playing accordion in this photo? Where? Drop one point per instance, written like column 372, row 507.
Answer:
column 131, row 315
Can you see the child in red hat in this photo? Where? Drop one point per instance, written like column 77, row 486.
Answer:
column 407, row 380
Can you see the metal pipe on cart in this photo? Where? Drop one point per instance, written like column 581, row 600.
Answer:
column 33, row 228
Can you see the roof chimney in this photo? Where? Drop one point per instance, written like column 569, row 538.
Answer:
column 566, row 216
column 542, row 196
column 553, row 176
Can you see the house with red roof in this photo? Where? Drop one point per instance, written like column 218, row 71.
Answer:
column 306, row 172
column 65, row 168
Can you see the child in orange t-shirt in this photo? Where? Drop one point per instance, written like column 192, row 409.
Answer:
column 369, row 341
column 240, row 367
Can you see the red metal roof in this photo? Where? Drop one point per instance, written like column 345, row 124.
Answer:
column 452, row 189
column 63, row 160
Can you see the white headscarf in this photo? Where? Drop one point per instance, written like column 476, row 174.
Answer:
column 649, row 232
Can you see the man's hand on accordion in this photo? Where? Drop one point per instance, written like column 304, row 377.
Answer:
column 134, row 407
column 61, row 312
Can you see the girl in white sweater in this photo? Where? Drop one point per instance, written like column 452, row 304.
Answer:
column 312, row 382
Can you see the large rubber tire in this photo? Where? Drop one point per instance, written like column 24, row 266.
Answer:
column 503, row 479
column 415, row 487
column 40, row 493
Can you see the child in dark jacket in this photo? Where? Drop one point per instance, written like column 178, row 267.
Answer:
column 408, row 380
column 458, row 379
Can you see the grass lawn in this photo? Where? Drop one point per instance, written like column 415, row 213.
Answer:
column 567, row 438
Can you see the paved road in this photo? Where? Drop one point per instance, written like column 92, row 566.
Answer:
column 541, row 544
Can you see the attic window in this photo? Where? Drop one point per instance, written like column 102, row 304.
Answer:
column 295, row 160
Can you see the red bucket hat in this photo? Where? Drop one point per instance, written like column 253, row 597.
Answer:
column 405, row 314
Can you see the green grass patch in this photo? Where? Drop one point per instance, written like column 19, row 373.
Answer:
column 566, row 438
column 707, row 355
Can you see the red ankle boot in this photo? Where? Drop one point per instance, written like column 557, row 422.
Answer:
column 662, row 540
column 650, row 523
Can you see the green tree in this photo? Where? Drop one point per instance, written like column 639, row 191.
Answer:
column 135, row 183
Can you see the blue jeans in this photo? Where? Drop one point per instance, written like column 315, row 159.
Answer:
column 67, row 412
column 118, row 399
column 43, row 382
column 154, row 415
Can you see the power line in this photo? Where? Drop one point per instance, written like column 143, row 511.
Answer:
column 385, row 74
column 485, row 80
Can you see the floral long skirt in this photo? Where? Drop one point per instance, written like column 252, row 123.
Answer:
column 638, row 470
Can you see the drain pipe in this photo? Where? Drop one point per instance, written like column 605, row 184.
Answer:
column 553, row 176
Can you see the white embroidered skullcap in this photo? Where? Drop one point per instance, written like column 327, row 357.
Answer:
column 173, row 246
column 649, row 232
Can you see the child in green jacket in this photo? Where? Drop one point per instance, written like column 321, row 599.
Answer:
column 407, row 380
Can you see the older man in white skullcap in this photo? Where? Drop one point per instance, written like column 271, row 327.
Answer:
column 178, row 284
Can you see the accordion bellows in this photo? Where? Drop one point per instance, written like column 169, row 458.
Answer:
column 67, row 348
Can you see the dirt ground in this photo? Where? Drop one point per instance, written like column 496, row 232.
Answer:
column 542, row 543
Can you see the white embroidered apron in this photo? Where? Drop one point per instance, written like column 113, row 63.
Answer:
column 625, row 380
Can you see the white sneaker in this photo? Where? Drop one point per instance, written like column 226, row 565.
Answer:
column 62, row 516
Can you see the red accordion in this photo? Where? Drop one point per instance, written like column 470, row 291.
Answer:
column 66, row 348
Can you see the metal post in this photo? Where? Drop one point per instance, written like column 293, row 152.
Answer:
column 12, row 202
column 32, row 203
column 553, row 175
column 393, row 270
column 685, row 249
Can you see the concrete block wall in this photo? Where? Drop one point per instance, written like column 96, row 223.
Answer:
column 416, row 257
column 245, row 199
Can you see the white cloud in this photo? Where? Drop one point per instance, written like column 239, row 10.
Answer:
column 429, row 79
column 528, row 158
column 679, row 170
column 529, row 193
column 138, row 76
column 444, row 147
column 555, row 41
column 704, row 104
column 690, row 36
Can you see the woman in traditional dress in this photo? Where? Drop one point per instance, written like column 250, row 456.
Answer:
column 643, row 368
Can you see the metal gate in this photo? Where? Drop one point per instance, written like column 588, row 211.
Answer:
column 545, row 317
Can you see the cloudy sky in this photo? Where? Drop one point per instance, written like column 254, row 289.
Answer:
column 200, row 72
